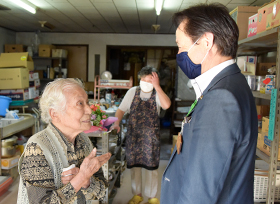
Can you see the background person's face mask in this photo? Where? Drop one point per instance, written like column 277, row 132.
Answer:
column 146, row 86
column 187, row 66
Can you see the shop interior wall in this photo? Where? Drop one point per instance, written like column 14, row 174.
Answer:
column 6, row 37
column 98, row 42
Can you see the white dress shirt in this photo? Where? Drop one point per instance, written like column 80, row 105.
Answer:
column 201, row 82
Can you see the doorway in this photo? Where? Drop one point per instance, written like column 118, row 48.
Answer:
column 77, row 66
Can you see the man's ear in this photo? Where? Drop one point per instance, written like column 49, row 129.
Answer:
column 54, row 115
column 209, row 40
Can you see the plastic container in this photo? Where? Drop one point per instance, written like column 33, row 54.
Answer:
column 4, row 104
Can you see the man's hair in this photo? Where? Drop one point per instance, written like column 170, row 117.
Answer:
column 148, row 70
column 213, row 18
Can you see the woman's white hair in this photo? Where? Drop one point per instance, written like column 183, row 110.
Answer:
column 53, row 96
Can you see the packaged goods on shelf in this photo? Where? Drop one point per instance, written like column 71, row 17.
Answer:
column 264, row 144
column 46, row 50
column 8, row 163
column 35, row 82
column 262, row 16
column 59, row 53
column 265, row 123
column 32, row 92
column 252, row 25
column 245, row 63
column 251, row 79
column 273, row 15
column 262, row 68
column 268, row 88
column 16, row 60
column 105, row 82
column 14, row 78
column 33, row 75
column 240, row 15
column 16, row 94
column 14, row 48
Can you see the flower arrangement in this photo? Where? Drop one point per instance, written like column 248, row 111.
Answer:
column 98, row 116
column 99, row 119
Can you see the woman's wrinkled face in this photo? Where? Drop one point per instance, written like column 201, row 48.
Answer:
column 76, row 117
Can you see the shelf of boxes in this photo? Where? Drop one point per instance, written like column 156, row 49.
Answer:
column 264, row 42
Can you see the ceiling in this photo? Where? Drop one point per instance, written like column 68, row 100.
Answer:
column 101, row 16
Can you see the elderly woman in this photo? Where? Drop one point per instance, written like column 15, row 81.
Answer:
column 64, row 106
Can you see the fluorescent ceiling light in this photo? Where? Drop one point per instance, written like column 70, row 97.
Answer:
column 26, row 5
column 158, row 6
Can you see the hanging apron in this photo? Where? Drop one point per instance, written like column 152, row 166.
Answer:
column 142, row 140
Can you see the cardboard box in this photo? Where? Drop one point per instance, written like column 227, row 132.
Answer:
column 16, row 94
column 262, row 16
column 252, row 25
column 273, row 15
column 240, row 15
column 33, row 76
column 45, row 50
column 13, row 172
column 14, row 78
column 14, row 48
column 263, row 110
column 59, row 53
column 35, row 83
column 20, row 59
column 8, row 163
column 263, row 67
column 264, row 144
column 265, row 123
column 32, row 93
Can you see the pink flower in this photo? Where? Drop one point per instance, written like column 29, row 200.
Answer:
column 104, row 116
column 93, row 117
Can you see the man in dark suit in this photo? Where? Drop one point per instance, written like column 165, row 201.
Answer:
column 213, row 162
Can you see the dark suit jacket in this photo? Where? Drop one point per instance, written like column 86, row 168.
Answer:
column 216, row 164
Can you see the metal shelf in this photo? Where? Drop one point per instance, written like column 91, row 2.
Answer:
column 264, row 156
column 257, row 94
column 260, row 43
column 11, row 129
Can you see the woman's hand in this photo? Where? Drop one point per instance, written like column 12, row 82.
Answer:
column 92, row 164
column 67, row 176
column 115, row 126
column 155, row 80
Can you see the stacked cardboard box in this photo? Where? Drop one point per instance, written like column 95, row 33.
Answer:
column 15, row 80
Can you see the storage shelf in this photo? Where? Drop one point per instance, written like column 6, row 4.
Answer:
column 257, row 94
column 264, row 156
column 50, row 58
column 112, row 183
column 260, row 43
column 11, row 129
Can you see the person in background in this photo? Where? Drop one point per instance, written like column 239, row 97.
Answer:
column 64, row 106
column 143, row 135
column 213, row 161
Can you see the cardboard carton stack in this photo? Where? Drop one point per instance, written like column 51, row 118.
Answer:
column 15, row 80
column 264, row 144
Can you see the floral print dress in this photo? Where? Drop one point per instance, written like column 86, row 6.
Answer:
column 143, row 138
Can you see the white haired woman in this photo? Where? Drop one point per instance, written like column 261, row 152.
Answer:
column 64, row 106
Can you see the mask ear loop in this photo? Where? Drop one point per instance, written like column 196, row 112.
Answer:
column 194, row 44
column 205, row 56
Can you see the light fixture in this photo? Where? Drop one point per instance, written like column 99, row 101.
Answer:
column 158, row 6
column 26, row 5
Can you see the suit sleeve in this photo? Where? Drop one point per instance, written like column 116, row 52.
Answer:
column 215, row 135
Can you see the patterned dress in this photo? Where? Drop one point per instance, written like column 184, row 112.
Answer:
column 143, row 138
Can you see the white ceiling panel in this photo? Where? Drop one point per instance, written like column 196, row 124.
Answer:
column 102, row 16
